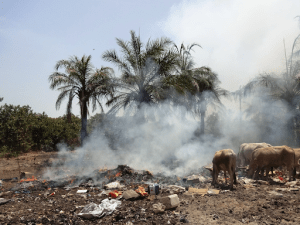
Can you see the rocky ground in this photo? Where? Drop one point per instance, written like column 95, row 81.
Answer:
column 57, row 202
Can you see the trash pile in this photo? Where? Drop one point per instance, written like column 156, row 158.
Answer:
column 120, row 196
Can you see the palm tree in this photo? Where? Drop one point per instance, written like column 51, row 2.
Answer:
column 82, row 81
column 197, row 86
column 141, row 71
column 284, row 88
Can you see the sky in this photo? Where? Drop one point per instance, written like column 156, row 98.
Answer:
column 239, row 39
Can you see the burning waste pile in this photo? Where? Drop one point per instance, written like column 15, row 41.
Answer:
column 124, row 195
column 120, row 194
column 77, row 189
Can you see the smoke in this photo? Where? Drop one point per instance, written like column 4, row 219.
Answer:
column 164, row 139
column 239, row 39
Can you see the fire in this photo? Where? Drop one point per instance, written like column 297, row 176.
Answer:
column 141, row 191
column 118, row 174
column 28, row 179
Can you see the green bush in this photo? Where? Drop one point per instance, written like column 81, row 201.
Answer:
column 22, row 130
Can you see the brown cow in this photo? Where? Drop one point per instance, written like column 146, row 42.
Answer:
column 265, row 158
column 224, row 160
column 297, row 158
column 245, row 152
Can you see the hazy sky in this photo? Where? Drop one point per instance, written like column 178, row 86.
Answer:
column 239, row 39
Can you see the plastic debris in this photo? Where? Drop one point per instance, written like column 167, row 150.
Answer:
column 113, row 185
column 106, row 207
column 114, row 194
column 213, row 192
column 81, row 191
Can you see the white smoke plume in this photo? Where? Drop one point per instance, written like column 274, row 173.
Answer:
column 166, row 141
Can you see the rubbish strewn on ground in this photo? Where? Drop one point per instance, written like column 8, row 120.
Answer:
column 171, row 201
column 141, row 191
column 130, row 194
column 3, row 201
column 81, row 191
column 159, row 208
column 198, row 191
column 114, row 194
column 105, row 208
column 28, row 179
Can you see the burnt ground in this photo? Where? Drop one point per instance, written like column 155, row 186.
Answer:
column 42, row 202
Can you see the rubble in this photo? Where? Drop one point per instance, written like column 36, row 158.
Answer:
column 130, row 195
column 174, row 189
column 292, row 183
column 114, row 185
column 60, row 201
column 3, row 201
column 159, row 208
column 171, row 201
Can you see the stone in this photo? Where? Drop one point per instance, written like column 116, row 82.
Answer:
column 171, row 201
column 159, row 208
column 130, row 194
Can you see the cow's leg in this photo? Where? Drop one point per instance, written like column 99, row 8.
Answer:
column 291, row 171
column 234, row 178
column 256, row 174
column 243, row 163
column 216, row 178
column 225, row 176
column 230, row 171
column 234, row 175
column 262, row 173
column 267, row 172
column 272, row 170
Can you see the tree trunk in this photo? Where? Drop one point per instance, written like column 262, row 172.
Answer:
column 202, row 123
column 83, row 132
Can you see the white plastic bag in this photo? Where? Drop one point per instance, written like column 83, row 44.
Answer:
column 105, row 208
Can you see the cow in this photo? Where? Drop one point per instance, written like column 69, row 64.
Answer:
column 297, row 158
column 266, row 158
column 245, row 152
column 224, row 160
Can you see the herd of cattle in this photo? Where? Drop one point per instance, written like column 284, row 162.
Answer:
column 260, row 157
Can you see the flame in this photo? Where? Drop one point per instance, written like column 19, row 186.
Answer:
column 28, row 179
column 141, row 191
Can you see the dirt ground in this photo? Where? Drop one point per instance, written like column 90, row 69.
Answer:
column 36, row 202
